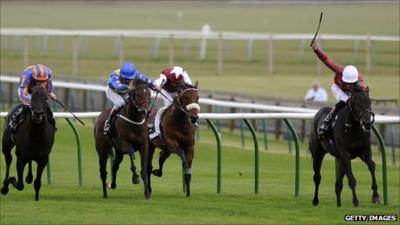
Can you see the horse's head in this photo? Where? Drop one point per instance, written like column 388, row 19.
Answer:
column 39, row 104
column 139, row 95
column 360, row 108
column 188, row 100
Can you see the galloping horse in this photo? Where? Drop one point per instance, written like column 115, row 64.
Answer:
column 33, row 140
column 177, row 132
column 349, row 138
column 129, row 130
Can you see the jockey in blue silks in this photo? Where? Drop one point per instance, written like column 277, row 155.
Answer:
column 117, row 91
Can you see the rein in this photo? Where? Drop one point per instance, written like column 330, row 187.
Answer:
column 358, row 118
column 137, row 107
column 180, row 105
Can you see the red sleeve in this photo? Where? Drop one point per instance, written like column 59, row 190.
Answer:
column 337, row 68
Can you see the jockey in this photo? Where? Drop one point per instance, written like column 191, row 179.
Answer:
column 346, row 78
column 170, row 79
column 33, row 75
column 117, row 91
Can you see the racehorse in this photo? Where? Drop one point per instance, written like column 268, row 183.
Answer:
column 348, row 139
column 129, row 130
column 33, row 140
column 177, row 132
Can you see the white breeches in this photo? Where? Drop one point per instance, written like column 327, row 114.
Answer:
column 339, row 94
column 167, row 99
column 115, row 98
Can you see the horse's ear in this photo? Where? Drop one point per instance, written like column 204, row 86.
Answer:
column 132, row 85
column 367, row 90
column 196, row 85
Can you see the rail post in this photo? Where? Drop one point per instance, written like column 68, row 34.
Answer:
column 384, row 172
column 219, row 153
column 264, row 124
column 78, row 149
column 256, row 158
column 297, row 148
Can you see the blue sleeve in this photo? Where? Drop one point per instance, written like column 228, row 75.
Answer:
column 146, row 79
column 115, row 84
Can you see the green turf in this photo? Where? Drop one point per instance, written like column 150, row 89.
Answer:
column 64, row 202
column 293, row 72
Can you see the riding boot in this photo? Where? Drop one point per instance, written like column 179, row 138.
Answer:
column 325, row 124
column 107, row 124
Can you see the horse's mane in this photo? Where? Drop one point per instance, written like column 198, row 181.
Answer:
column 185, row 86
column 139, row 82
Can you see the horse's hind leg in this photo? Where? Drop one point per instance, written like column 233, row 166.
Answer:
column 367, row 158
column 115, row 166
column 164, row 154
column 7, row 146
column 38, row 181
column 144, row 159
column 135, row 176
column 317, row 162
column 29, row 177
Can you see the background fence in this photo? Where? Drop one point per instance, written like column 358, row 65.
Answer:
column 26, row 40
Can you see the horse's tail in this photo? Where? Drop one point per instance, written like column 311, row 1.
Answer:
column 314, row 142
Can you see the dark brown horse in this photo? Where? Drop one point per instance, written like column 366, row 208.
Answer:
column 33, row 140
column 129, row 131
column 177, row 132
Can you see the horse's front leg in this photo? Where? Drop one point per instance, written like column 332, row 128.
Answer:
column 188, row 169
column 115, row 167
column 19, row 184
column 135, row 176
column 339, row 183
column 38, row 181
column 144, row 160
column 164, row 154
column 7, row 146
column 367, row 158
column 29, row 177
column 185, row 167
column 350, row 177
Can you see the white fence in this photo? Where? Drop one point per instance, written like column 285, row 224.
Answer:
column 290, row 112
column 170, row 35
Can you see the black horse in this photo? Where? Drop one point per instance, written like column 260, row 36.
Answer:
column 33, row 140
column 348, row 139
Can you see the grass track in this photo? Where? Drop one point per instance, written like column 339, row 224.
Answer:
column 63, row 202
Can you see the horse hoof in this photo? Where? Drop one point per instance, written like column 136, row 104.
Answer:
column 12, row 180
column 135, row 180
column 148, row 198
column 29, row 179
column 315, row 202
column 4, row 190
column 157, row 173
column 376, row 200
column 113, row 185
column 108, row 186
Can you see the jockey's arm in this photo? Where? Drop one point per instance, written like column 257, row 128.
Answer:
column 23, row 90
column 146, row 79
column 50, row 88
column 328, row 61
column 115, row 84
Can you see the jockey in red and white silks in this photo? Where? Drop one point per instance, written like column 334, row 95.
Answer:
column 170, row 79
column 346, row 77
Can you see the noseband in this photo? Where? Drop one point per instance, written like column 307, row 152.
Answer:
column 132, row 97
column 190, row 106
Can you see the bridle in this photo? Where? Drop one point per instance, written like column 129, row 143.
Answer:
column 358, row 117
column 179, row 105
column 132, row 100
